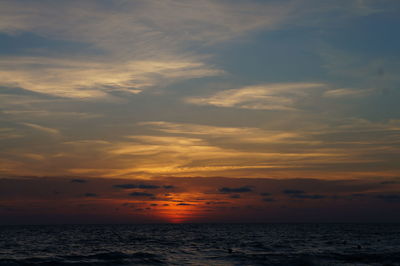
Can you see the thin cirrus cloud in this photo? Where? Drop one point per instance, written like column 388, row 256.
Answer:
column 142, row 22
column 86, row 79
column 234, row 134
column 276, row 96
column 139, row 44
column 40, row 128
column 186, row 149
column 339, row 93
column 9, row 133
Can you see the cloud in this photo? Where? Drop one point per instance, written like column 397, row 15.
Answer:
column 337, row 93
column 48, row 130
column 172, row 154
column 187, row 149
column 142, row 186
column 125, row 186
column 37, row 113
column 199, row 192
column 79, row 181
column 140, row 45
column 293, row 191
column 87, row 142
column 141, row 22
column 389, row 197
column 303, row 196
column 72, row 78
column 217, row 202
column 235, row 190
column 344, row 148
column 141, row 194
column 390, row 182
column 359, row 195
column 9, row 133
column 91, row 195
column 233, row 134
column 275, row 96
column 268, row 199
column 192, row 129
column 134, row 44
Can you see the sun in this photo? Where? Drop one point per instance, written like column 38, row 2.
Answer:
column 177, row 213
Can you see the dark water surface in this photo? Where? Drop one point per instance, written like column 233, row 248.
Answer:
column 201, row 244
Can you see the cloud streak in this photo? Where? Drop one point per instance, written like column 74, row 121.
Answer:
column 279, row 96
column 87, row 79
column 337, row 93
column 47, row 130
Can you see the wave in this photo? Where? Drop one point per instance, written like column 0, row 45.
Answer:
column 104, row 258
column 202, row 244
column 310, row 259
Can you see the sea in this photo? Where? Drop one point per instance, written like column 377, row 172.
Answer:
column 201, row 244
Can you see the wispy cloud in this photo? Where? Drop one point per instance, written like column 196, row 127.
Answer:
column 48, row 130
column 187, row 149
column 142, row 22
column 139, row 44
column 277, row 96
column 86, row 79
column 235, row 134
column 9, row 133
column 143, row 45
column 33, row 156
column 47, row 113
column 347, row 148
column 192, row 149
column 339, row 93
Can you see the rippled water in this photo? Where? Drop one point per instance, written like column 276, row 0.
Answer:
column 201, row 244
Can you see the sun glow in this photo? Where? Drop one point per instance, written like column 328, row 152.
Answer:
column 176, row 213
column 178, row 208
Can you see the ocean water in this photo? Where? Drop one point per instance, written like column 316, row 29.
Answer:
column 201, row 244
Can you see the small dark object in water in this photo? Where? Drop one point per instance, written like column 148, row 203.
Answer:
column 344, row 242
column 230, row 250
column 359, row 246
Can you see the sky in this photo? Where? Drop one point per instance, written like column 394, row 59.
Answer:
column 199, row 111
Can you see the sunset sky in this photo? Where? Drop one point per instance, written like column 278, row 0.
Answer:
column 199, row 111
